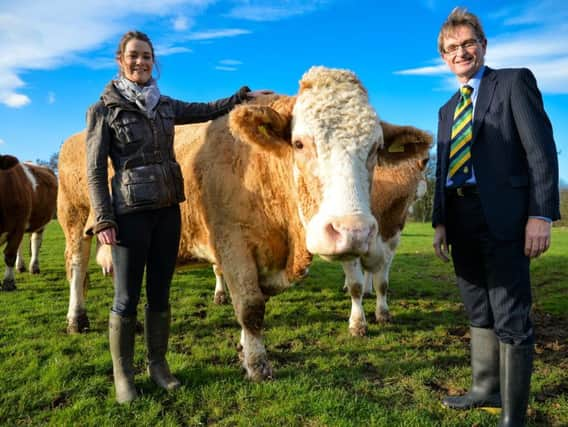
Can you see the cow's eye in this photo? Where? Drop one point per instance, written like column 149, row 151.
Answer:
column 298, row 144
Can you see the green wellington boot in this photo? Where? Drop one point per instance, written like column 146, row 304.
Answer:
column 484, row 390
column 157, row 333
column 121, row 339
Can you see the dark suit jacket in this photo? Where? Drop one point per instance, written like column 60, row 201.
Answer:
column 513, row 153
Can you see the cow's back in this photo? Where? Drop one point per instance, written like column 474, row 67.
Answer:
column 44, row 197
column 73, row 199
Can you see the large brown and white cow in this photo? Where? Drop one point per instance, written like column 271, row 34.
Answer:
column 267, row 187
column 396, row 185
column 28, row 195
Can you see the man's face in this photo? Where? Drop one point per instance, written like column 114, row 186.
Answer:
column 463, row 52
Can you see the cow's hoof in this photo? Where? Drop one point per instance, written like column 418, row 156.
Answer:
column 8, row 285
column 220, row 298
column 78, row 325
column 259, row 371
column 383, row 317
column 21, row 269
column 34, row 269
column 358, row 331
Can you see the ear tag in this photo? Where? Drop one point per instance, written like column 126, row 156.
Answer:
column 262, row 130
column 396, row 148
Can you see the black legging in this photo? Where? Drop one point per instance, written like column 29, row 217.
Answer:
column 145, row 239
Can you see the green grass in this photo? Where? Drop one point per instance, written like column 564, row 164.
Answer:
column 395, row 376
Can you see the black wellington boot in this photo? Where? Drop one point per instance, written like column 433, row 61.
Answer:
column 516, row 371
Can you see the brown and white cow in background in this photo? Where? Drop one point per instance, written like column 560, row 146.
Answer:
column 396, row 185
column 28, row 195
column 267, row 187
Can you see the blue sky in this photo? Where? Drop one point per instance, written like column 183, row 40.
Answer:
column 58, row 55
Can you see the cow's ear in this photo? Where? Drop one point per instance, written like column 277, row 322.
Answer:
column 262, row 126
column 403, row 143
column 284, row 105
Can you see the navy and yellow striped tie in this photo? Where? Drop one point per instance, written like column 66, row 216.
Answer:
column 460, row 155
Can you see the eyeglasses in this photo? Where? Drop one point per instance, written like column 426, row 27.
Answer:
column 466, row 45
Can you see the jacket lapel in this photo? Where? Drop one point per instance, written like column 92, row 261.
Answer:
column 486, row 91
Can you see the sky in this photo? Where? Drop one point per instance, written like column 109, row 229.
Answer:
column 56, row 56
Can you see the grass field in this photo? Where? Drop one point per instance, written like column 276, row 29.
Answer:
column 324, row 377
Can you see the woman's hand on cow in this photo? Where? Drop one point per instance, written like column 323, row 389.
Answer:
column 256, row 93
column 107, row 236
column 440, row 243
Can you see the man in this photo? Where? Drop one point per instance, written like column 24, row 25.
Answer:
column 495, row 198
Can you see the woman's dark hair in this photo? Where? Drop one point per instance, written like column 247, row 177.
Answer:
column 137, row 35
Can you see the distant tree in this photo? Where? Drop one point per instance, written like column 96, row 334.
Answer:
column 563, row 208
column 421, row 210
column 52, row 163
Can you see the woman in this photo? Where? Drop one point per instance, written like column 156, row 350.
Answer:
column 133, row 124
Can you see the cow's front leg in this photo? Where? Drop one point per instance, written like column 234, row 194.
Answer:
column 14, row 240
column 249, row 305
column 9, row 282
column 36, row 240
column 354, row 283
column 380, row 280
column 250, row 314
column 78, row 260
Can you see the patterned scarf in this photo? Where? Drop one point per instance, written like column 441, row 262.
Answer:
column 145, row 97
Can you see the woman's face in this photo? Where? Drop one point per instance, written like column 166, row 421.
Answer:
column 136, row 62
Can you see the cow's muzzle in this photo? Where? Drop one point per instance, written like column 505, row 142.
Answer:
column 342, row 237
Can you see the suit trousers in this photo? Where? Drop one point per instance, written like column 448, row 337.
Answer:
column 148, row 240
column 493, row 275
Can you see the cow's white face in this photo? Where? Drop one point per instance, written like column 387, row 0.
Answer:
column 335, row 136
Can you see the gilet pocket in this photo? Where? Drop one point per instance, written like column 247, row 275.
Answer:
column 144, row 185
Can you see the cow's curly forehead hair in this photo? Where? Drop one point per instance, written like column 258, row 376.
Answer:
column 131, row 35
column 460, row 17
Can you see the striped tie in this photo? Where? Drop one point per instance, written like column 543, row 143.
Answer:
column 460, row 156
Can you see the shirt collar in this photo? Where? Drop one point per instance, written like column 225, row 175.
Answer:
column 475, row 81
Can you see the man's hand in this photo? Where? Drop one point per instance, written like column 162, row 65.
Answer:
column 537, row 237
column 107, row 236
column 440, row 244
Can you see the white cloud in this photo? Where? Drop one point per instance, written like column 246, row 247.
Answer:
column 228, row 65
column 44, row 35
column 432, row 70
column 51, row 98
column 215, row 34
column 181, row 23
column 171, row 50
column 8, row 82
column 14, row 100
column 266, row 10
column 2, row 141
